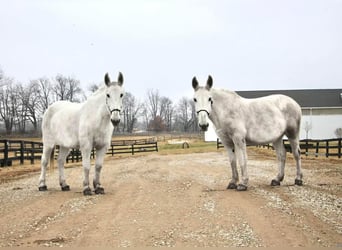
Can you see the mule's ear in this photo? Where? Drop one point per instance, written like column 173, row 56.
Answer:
column 194, row 83
column 120, row 79
column 209, row 82
column 107, row 79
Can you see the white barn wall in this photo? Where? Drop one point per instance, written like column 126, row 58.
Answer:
column 210, row 134
column 323, row 127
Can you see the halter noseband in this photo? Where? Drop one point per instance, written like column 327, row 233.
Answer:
column 204, row 111
column 111, row 111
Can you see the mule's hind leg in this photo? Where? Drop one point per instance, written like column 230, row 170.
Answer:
column 47, row 150
column 296, row 153
column 281, row 156
column 100, row 153
column 63, row 153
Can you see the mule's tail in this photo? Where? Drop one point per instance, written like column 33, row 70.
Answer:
column 52, row 158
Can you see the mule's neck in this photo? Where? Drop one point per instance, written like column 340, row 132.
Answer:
column 224, row 102
column 98, row 100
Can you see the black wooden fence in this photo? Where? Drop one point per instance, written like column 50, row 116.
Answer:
column 327, row 147
column 19, row 150
column 16, row 150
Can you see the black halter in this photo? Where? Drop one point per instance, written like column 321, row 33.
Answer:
column 204, row 111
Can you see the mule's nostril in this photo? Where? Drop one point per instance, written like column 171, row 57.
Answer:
column 115, row 122
column 204, row 127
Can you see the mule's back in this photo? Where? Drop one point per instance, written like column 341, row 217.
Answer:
column 270, row 116
column 60, row 125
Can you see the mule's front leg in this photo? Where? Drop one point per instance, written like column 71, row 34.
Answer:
column 241, row 154
column 100, row 153
column 235, row 176
column 86, row 169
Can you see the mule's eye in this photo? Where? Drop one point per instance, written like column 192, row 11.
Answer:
column 195, row 100
column 108, row 95
column 210, row 100
column 121, row 95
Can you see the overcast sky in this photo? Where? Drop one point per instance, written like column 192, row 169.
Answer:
column 162, row 44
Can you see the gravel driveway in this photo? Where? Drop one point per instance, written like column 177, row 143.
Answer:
column 176, row 200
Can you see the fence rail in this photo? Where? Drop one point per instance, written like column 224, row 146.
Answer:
column 20, row 150
column 327, row 147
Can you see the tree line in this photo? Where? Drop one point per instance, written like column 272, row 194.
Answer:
column 22, row 106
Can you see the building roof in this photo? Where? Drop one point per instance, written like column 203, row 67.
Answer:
column 306, row 98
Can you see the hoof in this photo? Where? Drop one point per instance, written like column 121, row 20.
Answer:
column 99, row 190
column 275, row 183
column 241, row 187
column 87, row 191
column 298, row 182
column 65, row 188
column 43, row 188
column 232, row 186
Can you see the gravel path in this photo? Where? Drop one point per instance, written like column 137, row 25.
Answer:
column 176, row 200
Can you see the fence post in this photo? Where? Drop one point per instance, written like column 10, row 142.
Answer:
column 22, row 145
column 32, row 152
column 339, row 147
column 6, row 152
column 327, row 148
column 306, row 147
column 132, row 149
column 317, row 148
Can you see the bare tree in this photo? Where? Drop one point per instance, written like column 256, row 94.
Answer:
column 166, row 112
column 184, row 117
column 67, row 88
column 157, row 124
column 7, row 108
column 338, row 132
column 20, row 102
column 42, row 88
column 132, row 109
column 160, row 110
column 152, row 103
column 307, row 127
column 36, row 103
column 93, row 87
column 1, row 74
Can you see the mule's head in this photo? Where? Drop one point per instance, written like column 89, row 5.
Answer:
column 114, row 96
column 203, row 102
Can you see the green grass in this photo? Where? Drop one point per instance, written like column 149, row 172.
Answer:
column 195, row 146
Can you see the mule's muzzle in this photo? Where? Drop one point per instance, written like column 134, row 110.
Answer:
column 115, row 122
column 204, row 127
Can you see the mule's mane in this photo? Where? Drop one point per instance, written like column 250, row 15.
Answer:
column 223, row 93
column 99, row 90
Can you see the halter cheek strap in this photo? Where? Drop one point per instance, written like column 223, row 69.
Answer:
column 204, row 111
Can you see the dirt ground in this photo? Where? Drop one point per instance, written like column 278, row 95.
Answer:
column 175, row 200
